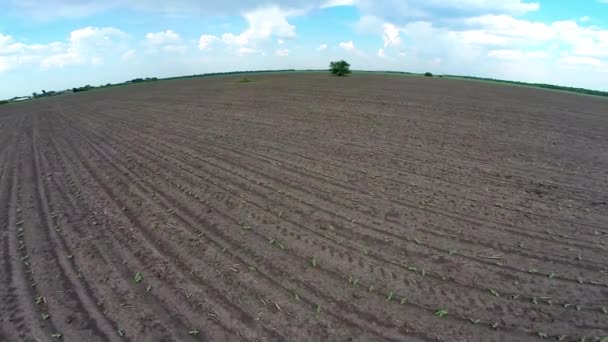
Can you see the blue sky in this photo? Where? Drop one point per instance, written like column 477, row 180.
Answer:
column 58, row 44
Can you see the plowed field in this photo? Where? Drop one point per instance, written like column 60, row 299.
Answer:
column 304, row 207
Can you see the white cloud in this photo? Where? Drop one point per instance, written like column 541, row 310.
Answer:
column 163, row 38
column 397, row 11
column 280, row 41
column 87, row 45
column 348, row 46
column 167, row 41
column 4, row 64
column 584, row 19
column 391, row 35
column 60, row 60
column 205, row 41
column 245, row 51
column 128, row 55
column 336, row 3
column 380, row 53
column 263, row 24
column 580, row 60
column 282, row 52
column 517, row 54
column 322, row 47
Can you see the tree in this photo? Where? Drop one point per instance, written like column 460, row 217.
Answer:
column 428, row 74
column 339, row 68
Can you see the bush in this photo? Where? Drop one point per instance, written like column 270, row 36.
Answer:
column 3, row 102
column 428, row 74
column 339, row 68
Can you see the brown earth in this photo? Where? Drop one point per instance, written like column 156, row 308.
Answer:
column 304, row 207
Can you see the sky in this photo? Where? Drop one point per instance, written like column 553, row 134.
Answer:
column 59, row 44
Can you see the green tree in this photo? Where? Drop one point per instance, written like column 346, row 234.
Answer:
column 339, row 68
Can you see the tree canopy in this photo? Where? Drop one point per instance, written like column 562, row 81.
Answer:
column 339, row 68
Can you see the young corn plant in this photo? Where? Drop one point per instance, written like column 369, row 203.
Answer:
column 138, row 277
column 441, row 313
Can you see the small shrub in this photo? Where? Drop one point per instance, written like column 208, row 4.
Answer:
column 428, row 74
column 244, row 80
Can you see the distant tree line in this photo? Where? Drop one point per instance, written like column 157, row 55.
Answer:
column 80, row 89
column 228, row 73
column 141, row 80
column 539, row 85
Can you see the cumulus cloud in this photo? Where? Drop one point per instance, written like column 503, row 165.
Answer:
column 88, row 45
column 263, row 24
column 336, row 3
column 205, row 41
column 282, row 52
column 167, row 41
column 517, row 54
column 350, row 47
column 128, row 55
column 322, row 47
column 380, row 53
column 399, row 11
column 390, row 35
column 581, row 60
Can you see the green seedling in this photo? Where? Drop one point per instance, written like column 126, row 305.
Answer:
column 371, row 288
column 246, row 227
column 452, row 252
column 365, row 251
column 532, row 270
column 313, row 261
column 252, row 269
column 318, row 308
column 604, row 310
column 580, row 280
column 296, row 297
column 389, row 296
column 56, row 335
column 474, row 321
column 45, row 316
column 542, row 334
column 121, row 333
column 412, row 268
column 441, row 313
column 40, row 300
column 417, row 241
column 551, row 275
column 193, row 332
column 138, row 277
column 561, row 337
column 494, row 293
column 403, row 301
column 272, row 241
column 534, row 300
column 148, row 288
column 494, row 325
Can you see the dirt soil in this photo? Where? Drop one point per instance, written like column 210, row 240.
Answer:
column 304, row 207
